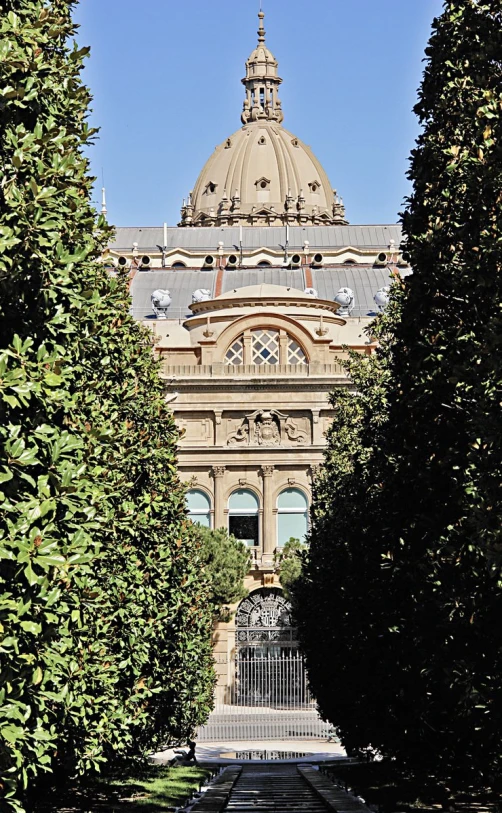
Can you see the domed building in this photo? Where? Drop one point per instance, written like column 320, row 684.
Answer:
column 262, row 175
column 252, row 301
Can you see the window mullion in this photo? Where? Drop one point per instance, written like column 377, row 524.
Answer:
column 247, row 350
column 283, row 347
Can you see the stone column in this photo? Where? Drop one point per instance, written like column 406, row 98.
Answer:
column 268, row 530
column 219, row 508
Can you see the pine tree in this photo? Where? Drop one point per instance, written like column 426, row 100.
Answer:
column 105, row 626
column 227, row 561
column 411, row 530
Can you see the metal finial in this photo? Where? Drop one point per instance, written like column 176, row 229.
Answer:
column 261, row 30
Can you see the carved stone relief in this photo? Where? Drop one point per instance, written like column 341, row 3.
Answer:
column 268, row 427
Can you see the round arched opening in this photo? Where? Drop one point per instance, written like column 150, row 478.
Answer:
column 269, row 667
column 199, row 507
column 243, row 516
column 292, row 516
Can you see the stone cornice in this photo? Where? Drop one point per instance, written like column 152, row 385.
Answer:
column 289, row 385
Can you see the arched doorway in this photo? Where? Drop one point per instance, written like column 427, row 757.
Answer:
column 269, row 668
column 266, row 695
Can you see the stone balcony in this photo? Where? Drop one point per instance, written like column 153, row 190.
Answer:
column 268, row 371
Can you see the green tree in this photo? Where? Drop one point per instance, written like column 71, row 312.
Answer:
column 404, row 570
column 227, row 561
column 289, row 561
column 104, row 618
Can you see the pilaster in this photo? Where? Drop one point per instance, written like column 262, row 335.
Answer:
column 317, row 436
column 219, row 439
column 268, row 530
column 218, row 473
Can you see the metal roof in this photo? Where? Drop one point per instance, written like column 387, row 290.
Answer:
column 181, row 284
column 207, row 239
column 363, row 280
column 289, row 278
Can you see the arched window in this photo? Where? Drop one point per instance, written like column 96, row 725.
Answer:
column 264, row 264
column 292, row 516
column 178, row 264
column 243, row 516
column 266, row 349
column 199, row 507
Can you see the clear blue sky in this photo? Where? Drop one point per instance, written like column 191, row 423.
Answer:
column 165, row 77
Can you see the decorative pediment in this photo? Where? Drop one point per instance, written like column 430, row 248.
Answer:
column 264, row 212
column 202, row 219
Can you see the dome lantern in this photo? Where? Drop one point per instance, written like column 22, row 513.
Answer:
column 262, row 83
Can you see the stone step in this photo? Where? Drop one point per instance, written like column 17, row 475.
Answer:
column 273, row 789
column 334, row 797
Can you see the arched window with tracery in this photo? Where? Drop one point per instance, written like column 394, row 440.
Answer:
column 265, row 346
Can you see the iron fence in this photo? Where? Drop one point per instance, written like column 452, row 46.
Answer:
column 266, row 697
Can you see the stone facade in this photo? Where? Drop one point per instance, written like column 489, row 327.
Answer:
column 252, row 302
column 248, row 376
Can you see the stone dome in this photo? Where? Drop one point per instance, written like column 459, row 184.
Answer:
column 262, row 174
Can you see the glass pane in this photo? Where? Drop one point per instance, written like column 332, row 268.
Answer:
column 291, row 525
column 201, row 519
column 243, row 499
column 234, row 353
column 295, row 353
column 244, row 528
column 197, row 500
column 265, row 347
column 292, row 498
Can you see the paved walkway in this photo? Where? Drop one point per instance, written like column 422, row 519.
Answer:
column 273, row 789
column 283, row 788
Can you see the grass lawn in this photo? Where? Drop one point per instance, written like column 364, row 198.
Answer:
column 148, row 790
column 382, row 784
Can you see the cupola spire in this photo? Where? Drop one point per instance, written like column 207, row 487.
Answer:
column 261, row 29
column 262, row 101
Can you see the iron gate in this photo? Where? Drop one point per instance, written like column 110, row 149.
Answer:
column 266, row 695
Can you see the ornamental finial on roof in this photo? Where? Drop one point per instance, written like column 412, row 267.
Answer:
column 261, row 30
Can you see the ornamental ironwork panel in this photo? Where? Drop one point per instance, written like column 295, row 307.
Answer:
column 264, row 609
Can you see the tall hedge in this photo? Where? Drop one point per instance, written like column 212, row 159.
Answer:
column 400, row 603
column 104, row 617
